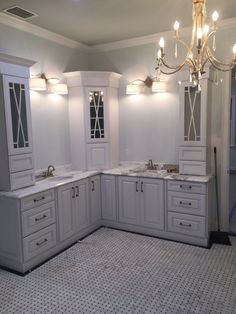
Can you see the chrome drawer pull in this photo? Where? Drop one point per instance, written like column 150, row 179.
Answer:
column 42, row 242
column 77, row 191
column 136, row 186
column 41, row 218
column 39, row 199
column 185, row 187
column 185, row 225
column 141, row 186
column 185, row 203
column 73, row 192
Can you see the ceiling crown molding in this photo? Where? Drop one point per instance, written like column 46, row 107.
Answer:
column 41, row 32
column 154, row 38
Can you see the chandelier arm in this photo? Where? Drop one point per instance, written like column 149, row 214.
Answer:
column 220, row 63
column 215, row 65
column 173, row 72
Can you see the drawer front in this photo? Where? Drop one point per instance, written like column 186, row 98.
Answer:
column 187, row 224
column 194, row 204
column 192, row 153
column 37, row 199
column 197, row 168
column 38, row 218
column 22, row 179
column 39, row 242
column 189, row 187
column 21, row 162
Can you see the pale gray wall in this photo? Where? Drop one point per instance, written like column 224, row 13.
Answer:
column 49, row 112
column 148, row 123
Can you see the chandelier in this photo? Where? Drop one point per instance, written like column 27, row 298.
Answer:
column 198, row 52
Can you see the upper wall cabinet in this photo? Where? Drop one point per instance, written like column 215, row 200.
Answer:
column 93, row 114
column 16, row 155
column 195, row 127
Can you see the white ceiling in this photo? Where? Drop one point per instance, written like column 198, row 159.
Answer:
column 101, row 21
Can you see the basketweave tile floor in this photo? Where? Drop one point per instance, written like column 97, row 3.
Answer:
column 113, row 271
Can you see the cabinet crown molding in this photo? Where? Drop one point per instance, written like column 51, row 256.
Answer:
column 92, row 78
column 16, row 60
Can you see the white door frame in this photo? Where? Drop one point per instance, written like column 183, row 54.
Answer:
column 224, row 157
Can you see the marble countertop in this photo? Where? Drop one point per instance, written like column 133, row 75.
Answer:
column 132, row 170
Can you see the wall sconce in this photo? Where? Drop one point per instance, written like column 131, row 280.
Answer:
column 59, row 89
column 53, row 85
column 137, row 86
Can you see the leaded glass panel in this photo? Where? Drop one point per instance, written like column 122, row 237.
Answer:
column 18, row 115
column 96, row 106
column 192, row 114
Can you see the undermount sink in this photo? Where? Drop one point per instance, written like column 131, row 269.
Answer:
column 60, row 178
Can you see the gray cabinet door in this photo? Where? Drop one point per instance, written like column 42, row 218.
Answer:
column 108, row 190
column 129, row 206
column 95, row 199
column 81, row 205
column 18, row 115
column 152, row 203
column 66, row 197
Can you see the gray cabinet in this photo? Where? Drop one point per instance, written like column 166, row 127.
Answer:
column 28, row 231
column 95, row 199
column 141, row 202
column 65, row 207
column 16, row 155
column 73, row 208
column 108, row 191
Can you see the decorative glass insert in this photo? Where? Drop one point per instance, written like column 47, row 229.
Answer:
column 192, row 114
column 96, row 114
column 18, row 115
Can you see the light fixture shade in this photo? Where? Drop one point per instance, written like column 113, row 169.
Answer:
column 38, row 84
column 158, row 87
column 53, row 80
column 59, row 89
column 133, row 89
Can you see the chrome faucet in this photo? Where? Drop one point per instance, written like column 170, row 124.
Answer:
column 50, row 170
column 150, row 165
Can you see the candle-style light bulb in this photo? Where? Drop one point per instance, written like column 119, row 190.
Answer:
column 162, row 42
column 206, row 29
column 234, row 52
column 159, row 53
column 199, row 33
column 215, row 16
column 176, row 26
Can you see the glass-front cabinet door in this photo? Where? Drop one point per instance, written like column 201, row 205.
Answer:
column 18, row 117
column 192, row 116
column 96, row 129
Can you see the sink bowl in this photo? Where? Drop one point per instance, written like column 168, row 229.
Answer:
column 60, row 178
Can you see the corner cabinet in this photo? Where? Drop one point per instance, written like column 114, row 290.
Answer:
column 195, row 126
column 16, row 156
column 93, row 115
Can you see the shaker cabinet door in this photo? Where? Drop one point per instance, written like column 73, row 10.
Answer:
column 18, row 116
column 95, row 199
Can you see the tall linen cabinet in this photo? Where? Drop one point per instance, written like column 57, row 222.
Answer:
column 93, row 116
column 16, row 147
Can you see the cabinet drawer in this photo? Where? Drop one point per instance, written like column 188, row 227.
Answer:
column 21, row 162
column 187, row 224
column 198, row 168
column 22, row 179
column 37, row 199
column 39, row 242
column 194, row 204
column 183, row 186
column 192, row 153
column 37, row 218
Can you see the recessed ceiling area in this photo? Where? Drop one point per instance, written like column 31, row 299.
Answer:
column 102, row 21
